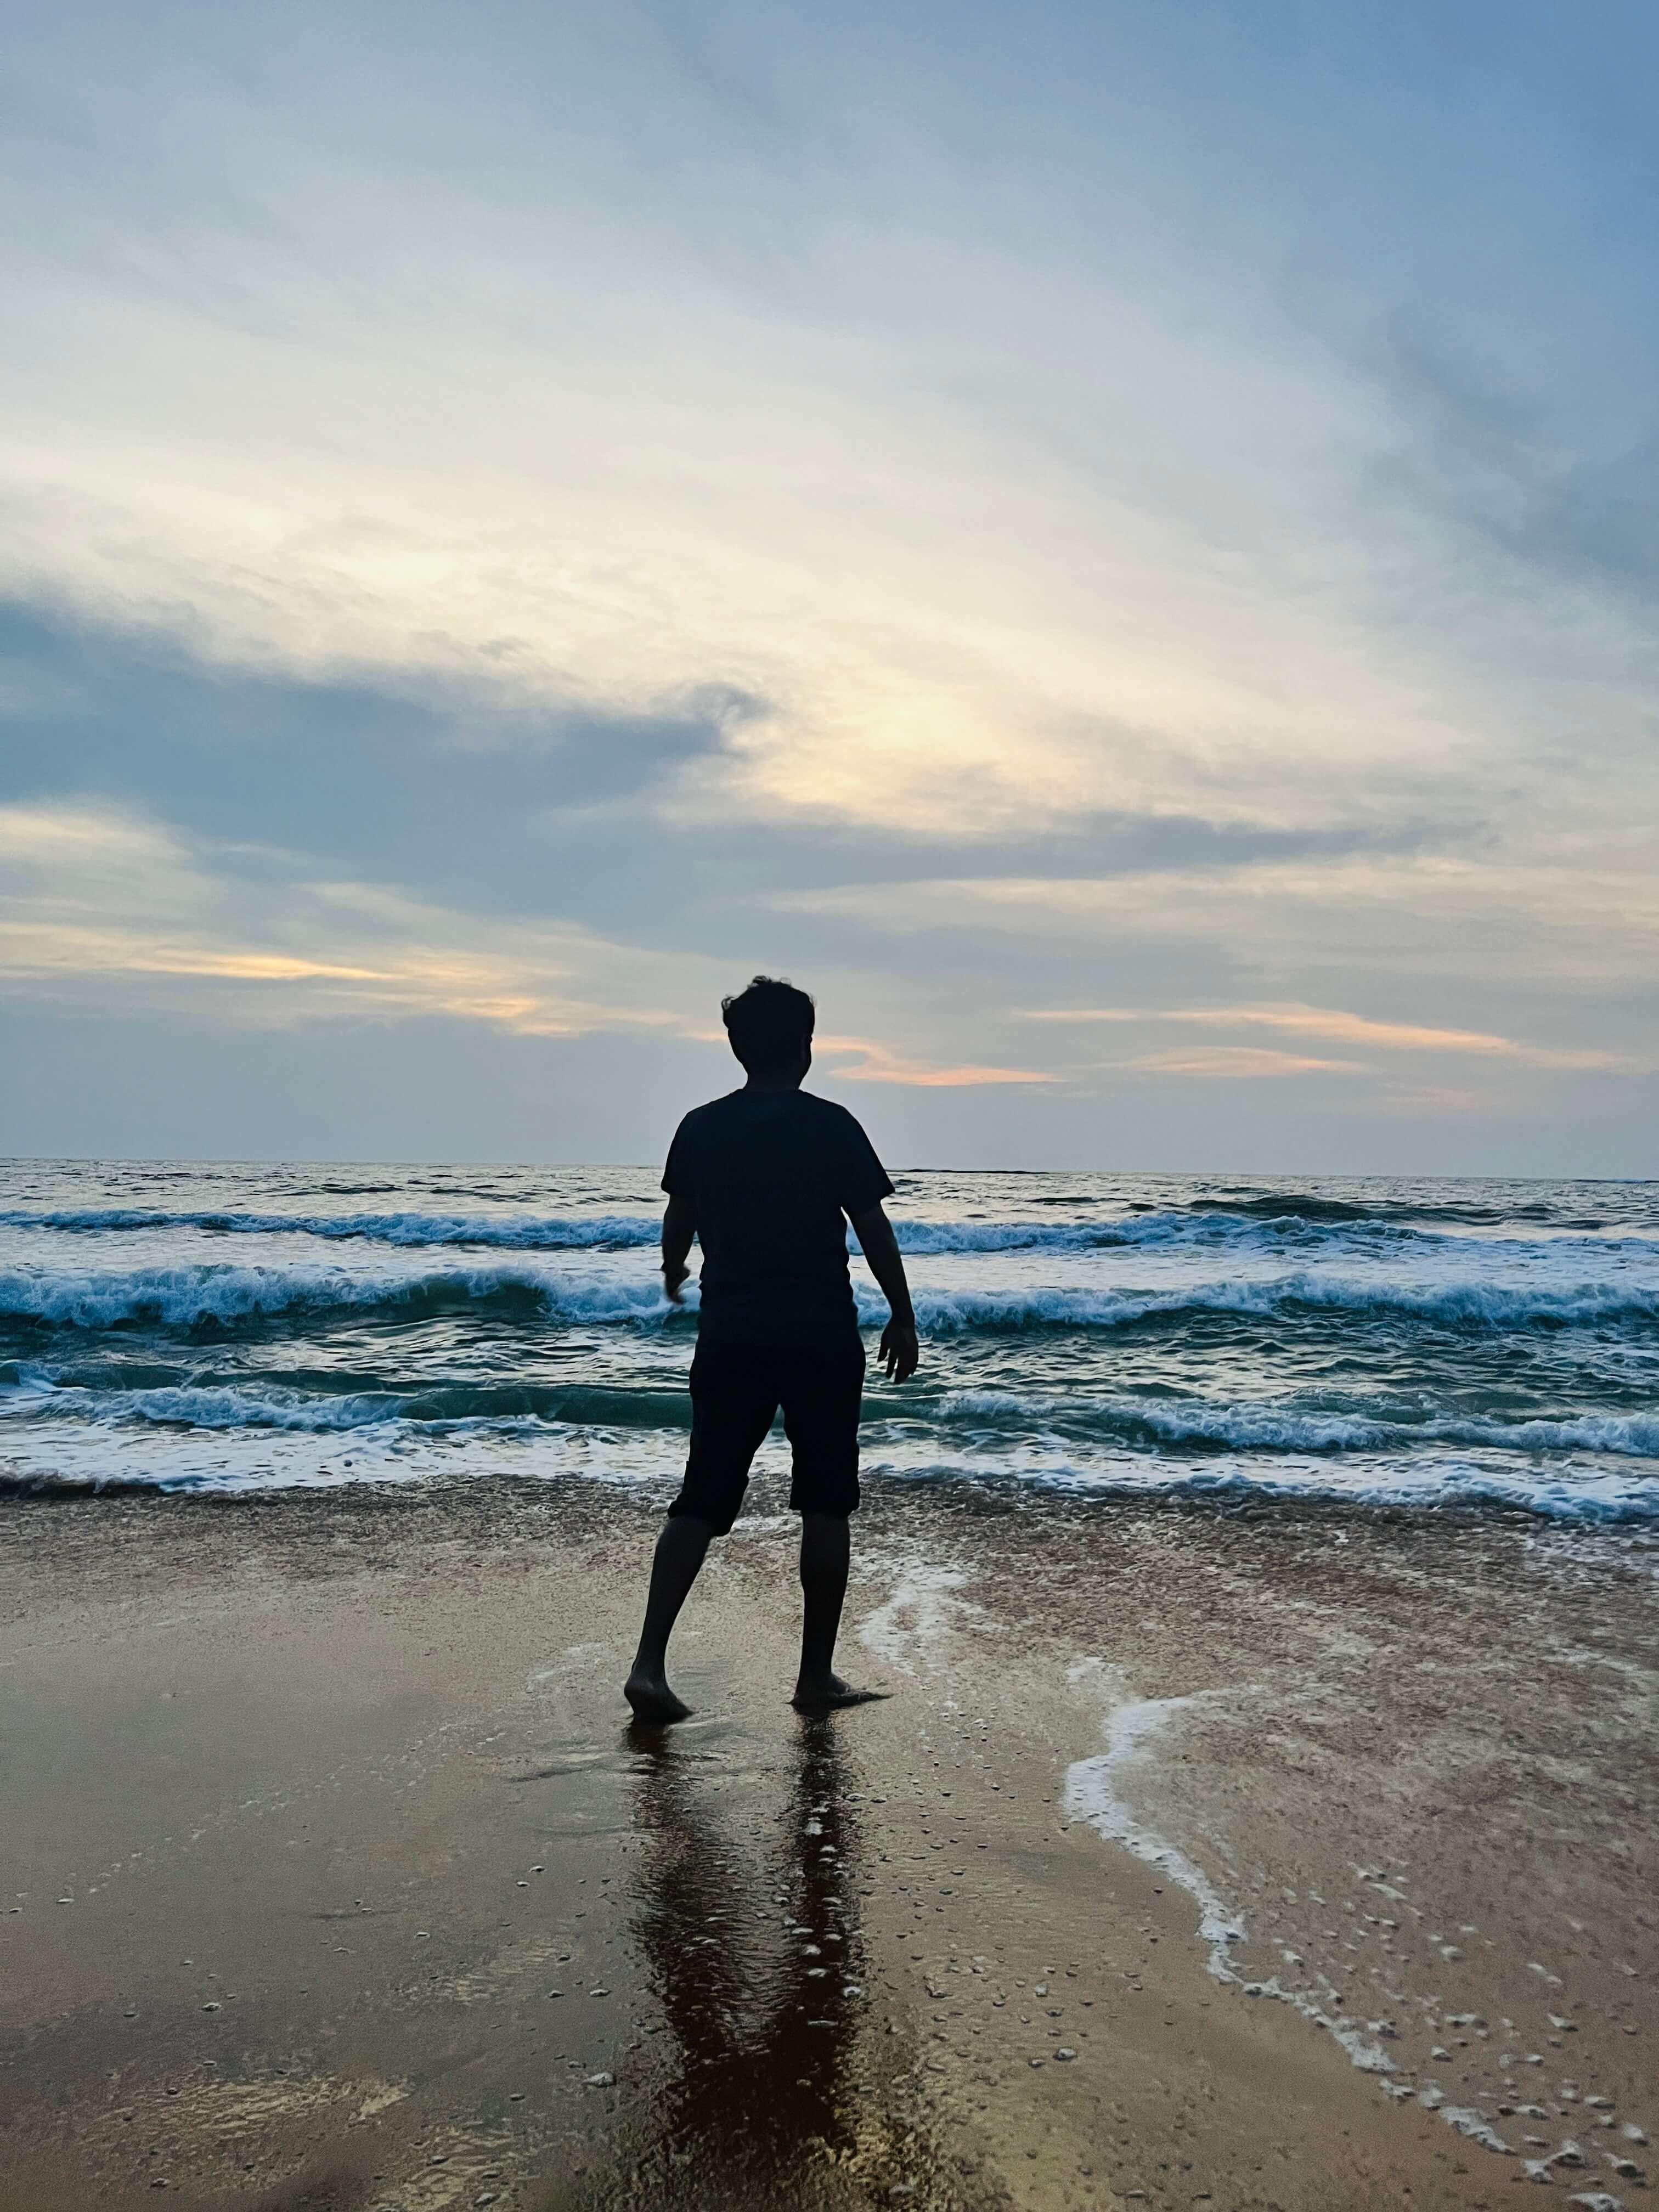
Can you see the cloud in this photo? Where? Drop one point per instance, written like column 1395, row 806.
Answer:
column 1110, row 517
column 487, row 802
column 1488, row 454
column 101, row 907
column 875, row 1063
column 1345, row 1029
column 424, row 772
column 1433, row 1102
column 1249, row 1061
column 1581, row 922
column 924, row 464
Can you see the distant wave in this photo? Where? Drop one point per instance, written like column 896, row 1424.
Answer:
column 584, row 1232
column 205, row 1294
column 509, row 1232
column 1317, row 1225
column 1312, row 1206
column 1174, row 1228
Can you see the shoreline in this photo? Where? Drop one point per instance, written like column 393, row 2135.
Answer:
column 1373, row 1730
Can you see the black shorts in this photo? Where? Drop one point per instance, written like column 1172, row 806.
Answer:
column 736, row 1391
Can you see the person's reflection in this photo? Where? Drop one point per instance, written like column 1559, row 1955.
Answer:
column 763, row 2012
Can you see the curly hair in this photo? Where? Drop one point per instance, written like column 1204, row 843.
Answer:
column 769, row 1024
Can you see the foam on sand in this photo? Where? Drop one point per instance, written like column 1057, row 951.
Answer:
column 1092, row 1796
column 914, row 1619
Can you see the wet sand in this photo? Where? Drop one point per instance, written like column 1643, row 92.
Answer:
column 337, row 1878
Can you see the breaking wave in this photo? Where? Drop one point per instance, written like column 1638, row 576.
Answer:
column 1470, row 1304
column 208, row 1294
column 504, row 1407
column 1279, row 1428
column 1131, row 1423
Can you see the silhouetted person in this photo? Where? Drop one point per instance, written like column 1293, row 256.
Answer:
column 767, row 1178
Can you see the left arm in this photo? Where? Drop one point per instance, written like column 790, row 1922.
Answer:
column 899, row 1352
column 679, row 1226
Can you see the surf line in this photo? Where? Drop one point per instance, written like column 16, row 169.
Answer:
column 1091, row 1796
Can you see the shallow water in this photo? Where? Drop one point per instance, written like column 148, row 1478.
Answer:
column 1411, row 1342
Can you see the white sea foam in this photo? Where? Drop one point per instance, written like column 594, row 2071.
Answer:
column 196, row 1294
column 915, row 1615
column 1244, row 1427
column 1469, row 1303
column 1092, row 1795
column 228, row 1408
column 615, row 1420
column 442, row 1410
column 1588, row 1498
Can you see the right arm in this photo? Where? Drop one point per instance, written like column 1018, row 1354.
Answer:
column 679, row 1226
column 900, row 1352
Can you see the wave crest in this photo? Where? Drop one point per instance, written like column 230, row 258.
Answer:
column 1136, row 1424
column 1179, row 1425
column 1316, row 1226
column 205, row 1294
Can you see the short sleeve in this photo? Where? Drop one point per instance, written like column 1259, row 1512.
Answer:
column 861, row 1182
column 676, row 1175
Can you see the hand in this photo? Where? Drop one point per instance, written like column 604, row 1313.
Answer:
column 900, row 1353
column 671, row 1279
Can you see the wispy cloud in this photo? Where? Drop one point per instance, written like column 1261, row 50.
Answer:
column 98, row 905
column 1344, row 1029
column 1249, row 1061
column 876, row 1063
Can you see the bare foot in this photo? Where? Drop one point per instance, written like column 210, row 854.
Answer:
column 831, row 1694
column 651, row 1699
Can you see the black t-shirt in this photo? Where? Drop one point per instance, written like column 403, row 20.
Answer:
column 769, row 1176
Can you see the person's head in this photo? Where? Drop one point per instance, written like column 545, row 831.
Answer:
column 770, row 1027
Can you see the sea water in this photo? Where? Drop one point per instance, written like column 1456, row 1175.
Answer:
column 1401, row 1342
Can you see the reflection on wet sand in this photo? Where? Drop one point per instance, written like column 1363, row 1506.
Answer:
column 749, row 1943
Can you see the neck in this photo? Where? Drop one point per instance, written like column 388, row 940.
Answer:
column 776, row 1079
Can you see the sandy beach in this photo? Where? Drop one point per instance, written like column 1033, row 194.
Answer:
column 1249, row 1859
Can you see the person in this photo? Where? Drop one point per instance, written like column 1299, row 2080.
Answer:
column 766, row 1179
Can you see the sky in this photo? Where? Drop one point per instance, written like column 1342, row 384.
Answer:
column 1117, row 544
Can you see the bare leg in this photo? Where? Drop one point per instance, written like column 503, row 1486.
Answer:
column 680, row 1551
column 825, row 1546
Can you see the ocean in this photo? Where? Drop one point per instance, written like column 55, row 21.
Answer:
column 1406, row 1343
